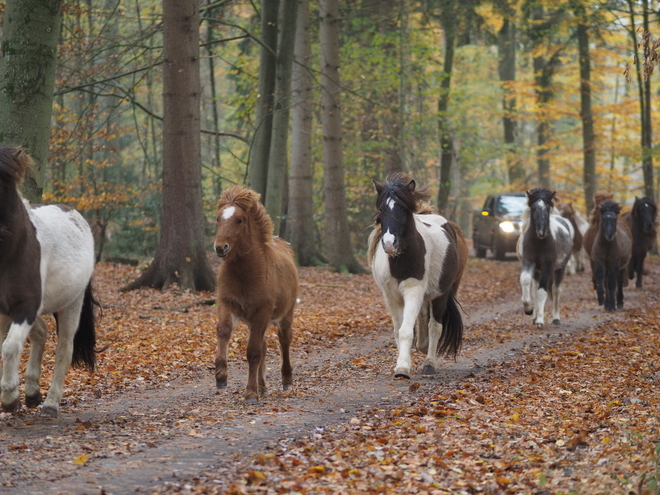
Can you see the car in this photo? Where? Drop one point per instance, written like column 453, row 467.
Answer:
column 497, row 225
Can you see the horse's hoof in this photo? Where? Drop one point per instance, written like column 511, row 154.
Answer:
column 401, row 374
column 12, row 407
column 49, row 411
column 428, row 370
column 251, row 401
column 286, row 387
column 529, row 312
column 33, row 401
column 556, row 322
column 221, row 383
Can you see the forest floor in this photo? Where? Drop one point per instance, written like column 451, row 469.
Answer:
column 570, row 408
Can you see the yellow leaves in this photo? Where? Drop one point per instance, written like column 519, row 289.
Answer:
column 81, row 460
column 255, row 478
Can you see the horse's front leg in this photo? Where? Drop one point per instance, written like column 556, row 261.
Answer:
column 621, row 279
column 33, row 372
column 413, row 297
column 599, row 281
column 12, row 349
column 611, row 277
column 226, row 324
column 545, row 280
column 526, row 286
column 255, row 354
column 639, row 268
column 556, row 296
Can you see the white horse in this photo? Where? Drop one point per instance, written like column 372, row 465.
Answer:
column 544, row 248
column 417, row 260
column 46, row 265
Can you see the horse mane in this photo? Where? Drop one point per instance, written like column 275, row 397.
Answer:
column 14, row 162
column 412, row 199
column 609, row 205
column 599, row 198
column 641, row 201
column 248, row 200
column 546, row 195
column 397, row 186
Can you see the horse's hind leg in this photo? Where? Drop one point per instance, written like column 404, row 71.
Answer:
column 261, row 378
column 12, row 349
column 67, row 325
column 285, row 335
column 33, row 372
column 434, row 333
column 5, row 321
column 255, row 354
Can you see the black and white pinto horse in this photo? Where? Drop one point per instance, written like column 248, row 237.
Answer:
column 642, row 222
column 417, row 260
column 46, row 265
column 544, row 248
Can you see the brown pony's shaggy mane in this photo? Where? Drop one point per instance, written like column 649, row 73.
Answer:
column 14, row 162
column 248, row 200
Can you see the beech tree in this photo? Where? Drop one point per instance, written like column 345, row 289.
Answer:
column 181, row 256
column 339, row 250
column 300, row 227
column 28, row 65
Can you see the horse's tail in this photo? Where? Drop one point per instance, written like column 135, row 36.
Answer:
column 452, row 328
column 84, row 342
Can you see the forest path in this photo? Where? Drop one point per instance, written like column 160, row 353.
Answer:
column 141, row 439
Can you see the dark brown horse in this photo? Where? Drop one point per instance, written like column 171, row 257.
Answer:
column 257, row 284
column 642, row 223
column 589, row 236
column 610, row 255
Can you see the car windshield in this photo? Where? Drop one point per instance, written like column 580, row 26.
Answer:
column 511, row 205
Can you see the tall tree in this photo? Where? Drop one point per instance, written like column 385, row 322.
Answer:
column 449, row 18
column 27, row 80
column 339, row 250
column 644, row 88
column 181, row 255
column 277, row 159
column 257, row 176
column 586, row 113
column 300, row 220
column 506, row 42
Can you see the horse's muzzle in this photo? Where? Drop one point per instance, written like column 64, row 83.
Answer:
column 222, row 251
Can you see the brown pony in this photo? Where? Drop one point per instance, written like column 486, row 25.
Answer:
column 594, row 225
column 567, row 211
column 257, row 284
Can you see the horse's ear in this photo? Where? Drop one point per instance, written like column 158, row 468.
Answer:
column 411, row 185
column 378, row 185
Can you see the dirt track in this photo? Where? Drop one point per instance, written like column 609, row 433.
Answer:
column 145, row 438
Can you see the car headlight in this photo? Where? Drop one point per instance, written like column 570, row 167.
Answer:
column 507, row 227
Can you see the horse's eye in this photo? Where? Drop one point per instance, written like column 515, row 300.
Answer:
column 239, row 220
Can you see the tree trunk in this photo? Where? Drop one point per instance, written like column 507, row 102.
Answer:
column 27, row 81
column 506, row 39
column 446, row 141
column 340, row 253
column 543, row 71
column 588, row 137
column 181, row 256
column 300, row 220
column 277, row 160
column 260, row 150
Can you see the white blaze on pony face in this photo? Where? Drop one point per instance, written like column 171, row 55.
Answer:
column 388, row 242
column 229, row 212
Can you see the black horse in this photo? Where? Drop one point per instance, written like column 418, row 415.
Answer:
column 641, row 221
column 610, row 256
